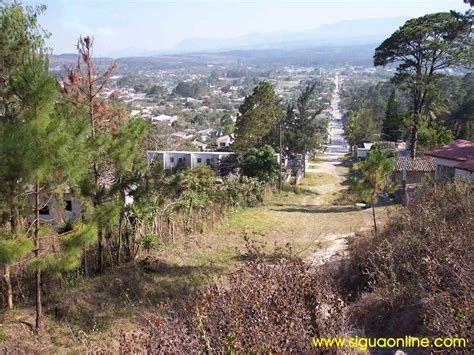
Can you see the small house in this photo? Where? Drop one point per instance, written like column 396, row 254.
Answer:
column 454, row 160
column 413, row 170
column 225, row 141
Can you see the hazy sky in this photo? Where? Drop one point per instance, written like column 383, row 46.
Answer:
column 153, row 25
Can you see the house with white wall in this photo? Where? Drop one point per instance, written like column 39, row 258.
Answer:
column 225, row 141
column 399, row 149
column 454, row 160
column 170, row 160
column 54, row 211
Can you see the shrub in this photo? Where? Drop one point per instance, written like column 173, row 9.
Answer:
column 261, row 163
column 419, row 269
column 265, row 307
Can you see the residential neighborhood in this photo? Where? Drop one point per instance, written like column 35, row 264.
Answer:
column 243, row 177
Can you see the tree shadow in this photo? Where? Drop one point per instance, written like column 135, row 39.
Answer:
column 318, row 209
column 127, row 292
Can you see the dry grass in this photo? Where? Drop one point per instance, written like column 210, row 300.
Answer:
column 318, row 179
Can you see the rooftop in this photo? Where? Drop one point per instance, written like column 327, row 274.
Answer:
column 459, row 150
column 467, row 165
column 427, row 164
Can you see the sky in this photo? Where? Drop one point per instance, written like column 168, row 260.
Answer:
column 133, row 27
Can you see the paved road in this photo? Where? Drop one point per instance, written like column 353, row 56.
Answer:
column 338, row 146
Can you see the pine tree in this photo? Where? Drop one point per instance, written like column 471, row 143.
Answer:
column 51, row 154
column 371, row 178
column 302, row 125
column 130, row 167
column 258, row 119
column 19, row 33
column 83, row 85
column 391, row 126
column 424, row 48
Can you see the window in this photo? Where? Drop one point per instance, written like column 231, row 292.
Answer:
column 199, row 160
column 208, row 161
column 44, row 211
column 68, row 205
column 222, row 144
column 172, row 160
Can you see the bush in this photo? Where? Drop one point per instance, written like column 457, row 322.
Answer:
column 149, row 242
column 277, row 307
column 419, row 270
column 261, row 163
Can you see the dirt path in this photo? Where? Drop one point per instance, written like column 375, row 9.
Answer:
column 312, row 220
column 335, row 244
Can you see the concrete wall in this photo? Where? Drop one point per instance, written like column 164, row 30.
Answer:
column 413, row 177
column 468, row 175
column 55, row 211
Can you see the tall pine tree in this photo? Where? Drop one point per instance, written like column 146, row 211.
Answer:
column 392, row 123
column 302, row 124
column 83, row 85
column 52, row 159
column 259, row 118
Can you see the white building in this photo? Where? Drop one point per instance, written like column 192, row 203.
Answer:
column 164, row 119
column 170, row 160
column 399, row 150
column 225, row 141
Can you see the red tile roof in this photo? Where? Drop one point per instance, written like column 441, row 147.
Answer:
column 467, row 165
column 459, row 150
column 417, row 164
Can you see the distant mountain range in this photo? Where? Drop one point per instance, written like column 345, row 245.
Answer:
column 348, row 32
column 342, row 43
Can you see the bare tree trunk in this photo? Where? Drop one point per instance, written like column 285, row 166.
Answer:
column 14, row 219
column 39, row 308
column 119, row 247
column 86, row 268
column 100, row 251
column 414, row 141
column 8, row 285
column 375, row 221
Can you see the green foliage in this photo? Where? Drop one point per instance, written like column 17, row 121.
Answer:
column 371, row 175
column 129, row 162
column 157, row 91
column 149, row 241
column 13, row 249
column 392, row 123
column 19, row 33
column 436, row 40
column 107, row 215
column 435, row 136
column 304, row 132
column 423, row 47
column 261, row 163
column 81, row 236
column 361, row 127
column 52, row 148
column 257, row 123
column 191, row 89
